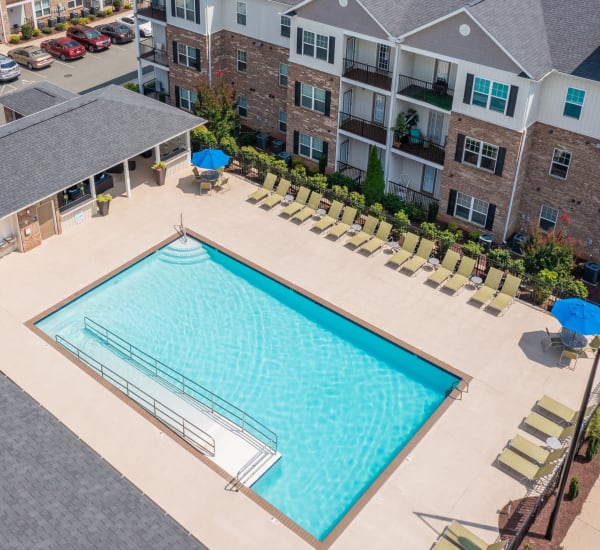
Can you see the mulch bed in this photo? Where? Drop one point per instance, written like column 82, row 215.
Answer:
column 587, row 473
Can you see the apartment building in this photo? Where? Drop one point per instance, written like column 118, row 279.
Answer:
column 502, row 97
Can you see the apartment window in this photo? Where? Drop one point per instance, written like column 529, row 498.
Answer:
column 308, row 43
column 74, row 3
column 42, row 8
column 471, row 209
column 187, row 99
column 283, row 74
column 322, row 47
column 313, row 98
column 186, row 9
column 282, row 122
column 574, row 103
column 480, row 154
column 383, row 57
column 311, row 147
column 188, row 56
column 548, row 218
column 490, row 95
column 286, row 26
column 315, row 45
column 560, row 164
column 241, row 61
column 241, row 13
column 242, row 106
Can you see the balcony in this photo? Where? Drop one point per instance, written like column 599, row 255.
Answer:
column 368, row 74
column 434, row 93
column 153, row 10
column 151, row 91
column 412, row 195
column 352, row 172
column 149, row 52
column 423, row 148
column 362, row 127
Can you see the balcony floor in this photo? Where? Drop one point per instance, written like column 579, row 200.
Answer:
column 443, row 101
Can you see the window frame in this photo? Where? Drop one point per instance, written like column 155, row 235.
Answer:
column 285, row 26
column 311, row 47
column 552, row 223
column 185, row 9
column 472, row 214
column 183, row 58
column 561, row 162
column 492, row 94
column 42, row 8
column 190, row 98
column 242, row 106
column 480, row 163
column 312, row 102
column 241, row 61
column 74, row 3
column 313, row 152
column 241, row 11
column 568, row 105
column 283, row 75
column 282, row 122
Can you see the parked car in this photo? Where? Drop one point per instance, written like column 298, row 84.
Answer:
column 117, row 32
column 9, row 70
column 144, row 24
column 89, row 37
column 65, row 48
column 33, row 57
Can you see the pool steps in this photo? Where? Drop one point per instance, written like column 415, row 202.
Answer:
column 180, row 252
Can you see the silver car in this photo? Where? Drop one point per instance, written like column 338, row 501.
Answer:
column 144, row 25
column 9, row 70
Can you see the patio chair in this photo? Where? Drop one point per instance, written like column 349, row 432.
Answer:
column 276, row 197
column 298, row 203
column 331, row 218
column 446, row 269
column 406, row 251
column 266, row 189
column 222, row 183
column 553, row 340
column 557, row 409
column 205, row 186
column 507, row 294
column 420, row 258
column 196, row 173
column 534, row 452
column 489, row 288
column 444, row 544
column 466, row 539
column 547, row 427
column 380, row 238
column 310, row 209
column 365, row 233
column 570, row 355
column 526, row 469
column 462, row 275
column 342, row 227
column 593, row 346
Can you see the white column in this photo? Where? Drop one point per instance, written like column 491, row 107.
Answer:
column 188, row 144
column 127, row 180
column 157, row 153
column 92, row 186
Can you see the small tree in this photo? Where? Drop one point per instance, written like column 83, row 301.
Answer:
column 218, row 106
column 374, row 186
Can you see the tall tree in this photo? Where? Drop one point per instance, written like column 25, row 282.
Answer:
column 374, row 186
column 218, row 106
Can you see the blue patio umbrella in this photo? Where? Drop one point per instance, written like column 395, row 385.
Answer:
column 577, row 315
column 211, row 159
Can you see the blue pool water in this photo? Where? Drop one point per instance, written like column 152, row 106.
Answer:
column 342, row 400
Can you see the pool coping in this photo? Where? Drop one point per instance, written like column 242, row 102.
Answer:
column 362, row 501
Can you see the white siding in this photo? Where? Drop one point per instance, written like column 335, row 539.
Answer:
column 313, row 62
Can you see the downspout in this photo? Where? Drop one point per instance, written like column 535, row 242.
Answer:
column 208, row 43
column 390, row 133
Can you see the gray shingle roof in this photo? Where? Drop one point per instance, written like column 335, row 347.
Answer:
column 36, row 98
column 48, row 151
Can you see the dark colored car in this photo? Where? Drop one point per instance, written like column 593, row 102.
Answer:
column 118, row 33
column 89, row 37
column 65, row 48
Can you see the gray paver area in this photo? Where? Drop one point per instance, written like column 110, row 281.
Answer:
column 55, row 492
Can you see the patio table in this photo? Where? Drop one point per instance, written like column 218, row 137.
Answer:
column 573, row 340
column 210, row 175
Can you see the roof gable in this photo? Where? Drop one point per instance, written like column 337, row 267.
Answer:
column 37, row 97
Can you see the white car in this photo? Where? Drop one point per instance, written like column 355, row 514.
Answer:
column 144, row 25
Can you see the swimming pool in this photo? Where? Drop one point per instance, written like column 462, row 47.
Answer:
column 342, row 400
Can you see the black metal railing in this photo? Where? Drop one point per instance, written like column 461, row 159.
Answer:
column 435, row 93
column 412, row 195
column 422, row 148
column 368, row 74
column 365, row 128
column 153, row 10
column 356, row 174
column 149, row 52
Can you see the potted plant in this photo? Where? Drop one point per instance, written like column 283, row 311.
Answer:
column 160, row 171
column 103, row 202
column 400, row 129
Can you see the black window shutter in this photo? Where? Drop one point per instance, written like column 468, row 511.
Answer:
column 299, row 38
column 331, row 53
column 468, row 88
column 297, row 86
column 177, row 96
column 198, row 65
column 460, row 145
column 296, row 141
column 327, row 103
column 512, row 101
column 325, row 152
column 197, row 10
column 175, row 52
column 451, row 202
column 500, row 161
column 173, row 13
column 489, row 221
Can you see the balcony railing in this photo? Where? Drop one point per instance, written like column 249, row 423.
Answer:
column 362, row 127
column 150, row 91
column 153, row 10
column 412, row 195
column 423, row 148
column 367, row 74
column 150, row 52
column 352, row 172
column 434, row 93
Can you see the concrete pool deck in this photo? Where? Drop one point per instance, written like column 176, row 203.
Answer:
column 450, row 474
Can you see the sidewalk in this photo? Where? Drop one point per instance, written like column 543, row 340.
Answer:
column 584, row 533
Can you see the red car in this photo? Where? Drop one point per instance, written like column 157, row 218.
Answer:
column 65, row 48
column 89, row 37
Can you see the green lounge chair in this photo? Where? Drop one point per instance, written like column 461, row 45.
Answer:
column 462, row 275
column 526, row 469
column 408, row 249
column 266, row 189
column 547, row 427
column 446, row 269
column 380, row 238
column 365, row 234
column 535, row 453
column 467, row 540
column 277, row 196
column 310, row 209
column 444, row 544
column 420, row 258
column 557, row 409
column 298, row 204
column 342, row 227
column 506, row 295
column 331, row 218
column 489, row 288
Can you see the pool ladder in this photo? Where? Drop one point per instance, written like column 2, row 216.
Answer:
column 181, row 229
column 457, row 390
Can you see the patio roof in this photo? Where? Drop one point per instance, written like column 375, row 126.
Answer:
column 36, row 98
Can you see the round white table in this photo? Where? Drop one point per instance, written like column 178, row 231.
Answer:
column 288, row 198
column 356, row 227
column 553, row 443
column 476, row 281
column 320, row 212
column 433, row 262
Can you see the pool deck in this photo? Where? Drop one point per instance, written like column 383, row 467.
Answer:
column 450, row 474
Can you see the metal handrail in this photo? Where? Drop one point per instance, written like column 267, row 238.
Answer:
column 362, row 127
column 186, row 386
column 194, row 435
column 369, row 74
column 412, row 195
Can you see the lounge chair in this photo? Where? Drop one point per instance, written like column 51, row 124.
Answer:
column 365, row 234
column 466, row 539
column 553, row 340
column 547, row 427
column 570, row 355
column 275, row 198
column 446, row 269
column 331, row 218
column 534, row 452
column 560, row 411
column 310, row 209
column 344, row 225
column 593, row 346
column 406, row 251
column 420, row 258
column 266, row 189
column 526, row 469
column 380, row 238
column 205, row 186
column 489, row 288
column 298, row 204
column 506, row 295
column 444, row 544
column 462, row 275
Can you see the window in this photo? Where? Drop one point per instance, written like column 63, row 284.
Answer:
column 313, row 98
column 480, row 154
column 74, row 3
column 315, row 45
column 548, row 218
column 383, row 57
column 241, row 61
column 188, row 56
column 574, row 103
column 185, row 9
column 322, row 47
column 308, row 43
column 42, row 8
column 241, row 13
column 282, row 122
column 471, row 209
column 560, row 164
column 242, row 106
column 283, row 74
column 311, row 147
column 286, row 24
column 490, row 95
column 187, row 99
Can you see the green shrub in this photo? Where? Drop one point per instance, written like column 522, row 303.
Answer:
column 472, row 249
column 592, row 448
column 14, row 39
column 202, row 138
column 116, row 5
column 452, row 227
column 340, row 192
column 574, row 286
column 47, row 30
column 499, row 257
column 74, row 21
column 517, row 266
column 376, row 209
column 101, row 13
column 229, row 145
column 341, row 180
column 60, row 26
column 459, row 235
column 593, row 428
column 528, row 547
column 26, row 31
column 402, row 220
column 474, row 235
column 128, row 5
column 319, row 182
column 392, row 203
column 108, row 11
column 429, row 230
column 573, row 489
column 36, row 32
column 357, row 200
column 546, row 281
column 248, row 156
column 91, row 17
column 131, row 86
column 445, row 240
column 296, row 161
column 432, row 211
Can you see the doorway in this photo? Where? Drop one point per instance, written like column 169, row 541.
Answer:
column 45, row 214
